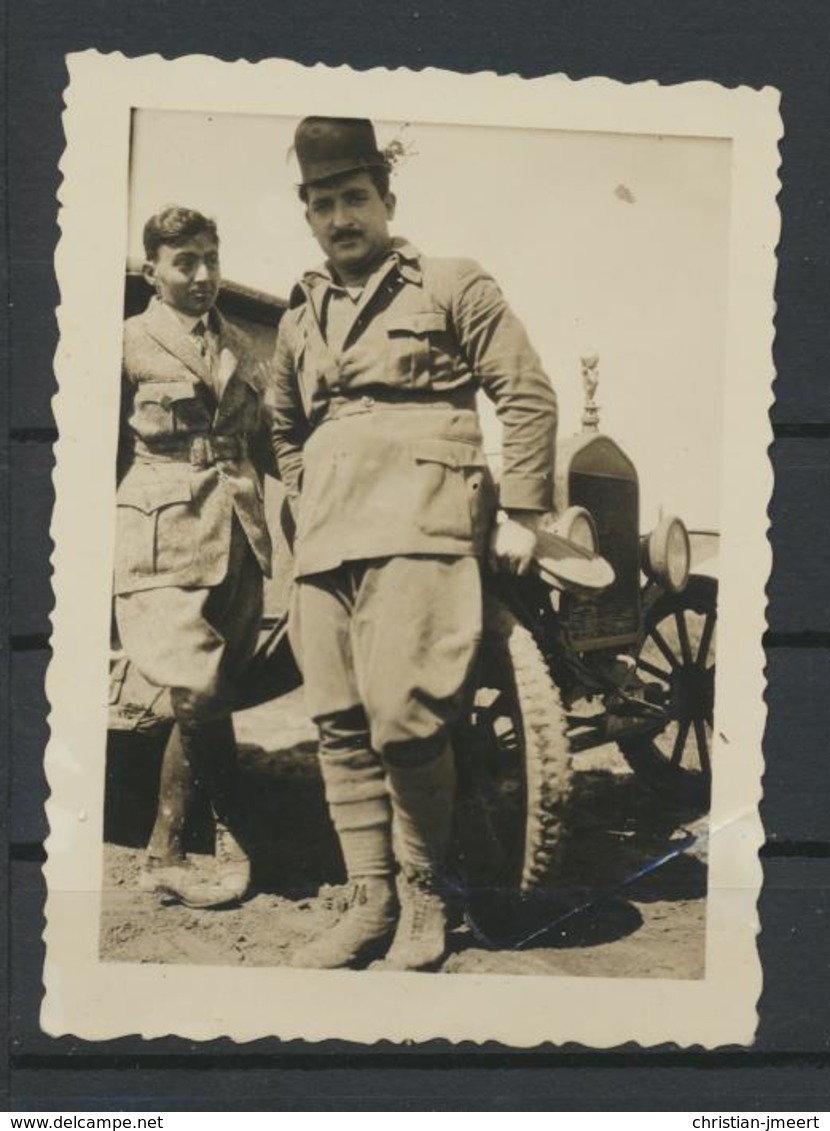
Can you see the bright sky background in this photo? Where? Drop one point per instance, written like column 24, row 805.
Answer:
column 607, row 243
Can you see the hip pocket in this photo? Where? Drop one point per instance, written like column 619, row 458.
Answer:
column 455, row 489
column 155, row 528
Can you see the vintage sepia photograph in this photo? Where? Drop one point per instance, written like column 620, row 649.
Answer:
column 413, row 628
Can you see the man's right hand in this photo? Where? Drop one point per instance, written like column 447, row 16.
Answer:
column 513, row 542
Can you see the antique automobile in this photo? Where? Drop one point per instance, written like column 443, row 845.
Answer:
column 576, row 656
column 610, row 639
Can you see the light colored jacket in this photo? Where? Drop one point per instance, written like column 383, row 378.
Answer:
column 380, row 440
column 189, row 466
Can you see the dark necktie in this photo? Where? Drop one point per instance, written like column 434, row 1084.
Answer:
column 207, row 348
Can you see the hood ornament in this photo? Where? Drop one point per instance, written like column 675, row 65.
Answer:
column 590, row 382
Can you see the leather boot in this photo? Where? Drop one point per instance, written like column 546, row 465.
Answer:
column 166, row 846
column 362, row 933
column 210, row 749
column 167, row 871
column 420, row 941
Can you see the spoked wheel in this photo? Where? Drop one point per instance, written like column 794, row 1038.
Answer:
column 677, row 665
column 514, row 765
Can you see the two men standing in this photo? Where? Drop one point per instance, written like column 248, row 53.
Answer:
column 378, row 443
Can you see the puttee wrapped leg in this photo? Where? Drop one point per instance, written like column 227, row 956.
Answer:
column 421, row 778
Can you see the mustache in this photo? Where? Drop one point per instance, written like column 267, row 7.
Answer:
column 343, row 234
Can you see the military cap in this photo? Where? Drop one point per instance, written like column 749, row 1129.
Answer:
column 327, row 147
column 567, row 565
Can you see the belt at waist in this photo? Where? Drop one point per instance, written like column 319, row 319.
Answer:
column 379, row 400
column 199, row 451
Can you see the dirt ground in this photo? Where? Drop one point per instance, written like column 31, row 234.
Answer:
column 631, row 905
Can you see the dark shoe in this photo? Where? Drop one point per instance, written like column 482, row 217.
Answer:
column 186, row 883
column 420, row 941
column 362, row 933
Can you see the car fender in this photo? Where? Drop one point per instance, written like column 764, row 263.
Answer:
column 705, row 549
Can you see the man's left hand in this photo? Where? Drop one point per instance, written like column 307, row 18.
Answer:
column 513, row 541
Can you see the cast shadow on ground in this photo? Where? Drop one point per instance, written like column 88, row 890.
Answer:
column 624, row 845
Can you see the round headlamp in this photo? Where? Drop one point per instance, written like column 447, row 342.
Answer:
column 578, row 527
column 666, row 554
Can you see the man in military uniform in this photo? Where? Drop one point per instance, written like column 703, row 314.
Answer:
column 378, row 442
column 192, row 543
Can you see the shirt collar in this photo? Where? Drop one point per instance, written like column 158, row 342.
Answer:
column 405, row 256
column 186, row 321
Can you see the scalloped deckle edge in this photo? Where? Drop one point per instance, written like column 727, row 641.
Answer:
column 98, row 1000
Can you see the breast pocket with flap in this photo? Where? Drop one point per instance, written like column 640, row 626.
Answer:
column 168, row 408
column 413, row 339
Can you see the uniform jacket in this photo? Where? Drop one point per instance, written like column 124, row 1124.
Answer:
column 188, row 458
column 383, row 436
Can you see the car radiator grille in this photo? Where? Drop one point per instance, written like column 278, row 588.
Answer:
column 613, row 618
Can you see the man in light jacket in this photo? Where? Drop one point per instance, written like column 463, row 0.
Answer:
column 378, row 442
column 192, row 544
